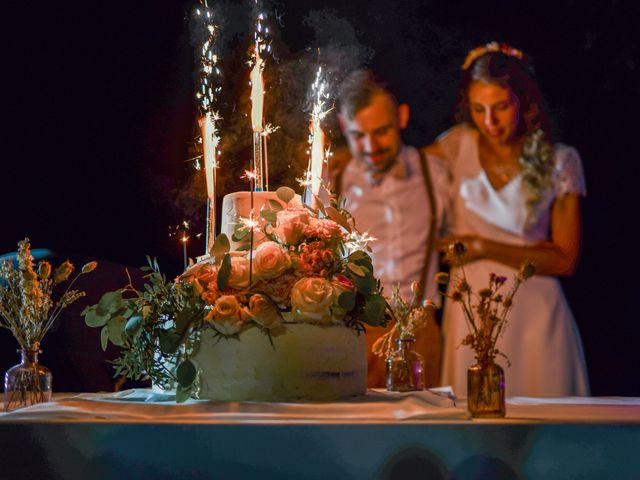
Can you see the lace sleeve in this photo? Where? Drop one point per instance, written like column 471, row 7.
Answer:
column 568, row 172
column 451, row 140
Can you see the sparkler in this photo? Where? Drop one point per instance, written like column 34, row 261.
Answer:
column 209, row 87
column 257, row 62
column 182, row 232
column 317, row 152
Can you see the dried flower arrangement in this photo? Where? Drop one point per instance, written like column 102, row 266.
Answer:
column 27, row 306
column 485, row 310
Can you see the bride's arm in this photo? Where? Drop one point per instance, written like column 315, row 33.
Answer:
column 557, row 257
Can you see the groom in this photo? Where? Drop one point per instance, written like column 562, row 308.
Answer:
column 395, row 195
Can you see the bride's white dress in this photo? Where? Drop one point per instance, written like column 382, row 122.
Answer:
column 541, row 340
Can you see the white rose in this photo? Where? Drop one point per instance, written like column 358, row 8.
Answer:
column 270, row 260
column 263, row 311
column 311, row 299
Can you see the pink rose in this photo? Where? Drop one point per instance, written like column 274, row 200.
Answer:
column 270, row 260
column 311, row 300
column 291, row 224
column 263, row 311
column 239, row 276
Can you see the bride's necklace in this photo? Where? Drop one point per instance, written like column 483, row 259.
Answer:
column 500, row 168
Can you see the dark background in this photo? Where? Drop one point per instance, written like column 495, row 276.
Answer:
column 99, row 117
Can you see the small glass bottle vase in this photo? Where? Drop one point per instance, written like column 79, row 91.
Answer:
column 485, row 390
column 27, row 383
column 405, row 367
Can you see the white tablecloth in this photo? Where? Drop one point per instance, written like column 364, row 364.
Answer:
column 145, row 405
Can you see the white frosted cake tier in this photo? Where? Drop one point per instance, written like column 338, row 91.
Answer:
column 305, row 362
column 238, row 204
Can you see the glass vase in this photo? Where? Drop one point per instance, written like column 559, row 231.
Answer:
column 27, row 383
column 485, row 390
column 405, row 367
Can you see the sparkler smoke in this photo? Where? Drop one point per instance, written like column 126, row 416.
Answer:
column 288, row 99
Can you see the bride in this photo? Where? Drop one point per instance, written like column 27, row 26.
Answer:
column 516, row 196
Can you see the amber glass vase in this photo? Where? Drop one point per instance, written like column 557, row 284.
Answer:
column 485, row 390
column 405, row 367
column 27, row 383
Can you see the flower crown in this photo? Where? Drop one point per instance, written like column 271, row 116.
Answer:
column 488, row 48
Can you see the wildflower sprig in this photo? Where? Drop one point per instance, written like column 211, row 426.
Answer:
column 27, row 306
column 485, row 310
column 409, row 317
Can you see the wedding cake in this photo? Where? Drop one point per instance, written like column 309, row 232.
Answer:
column 280, row 316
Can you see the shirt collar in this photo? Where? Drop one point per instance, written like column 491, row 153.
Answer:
column 400, row 170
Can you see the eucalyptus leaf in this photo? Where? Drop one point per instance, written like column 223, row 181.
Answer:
column 224, row 272
column 239, row 234
column 364, row 285
column 182, row 394
column 93, row 319
column 110, row 302
column 269, row 216
column 169, row 341
column 336, row 216
column 357, row 255
column 243, row 248
column 319, row 204
column 104, row 338
column 116, row 330
column 285, row 194
column 186, row 373
column 347, row 300
column 221, row 246
column 275, row 205
column 356, row 269
column 374, row 310
column 183, row 320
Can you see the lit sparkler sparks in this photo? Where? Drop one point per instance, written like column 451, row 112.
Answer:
column 210, row 80
column 249, row 175
column 250, row 223
column 358, row 241
column 182, row 233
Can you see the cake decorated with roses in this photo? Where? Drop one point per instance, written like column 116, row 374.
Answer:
column 288, row 323
column 275, row 312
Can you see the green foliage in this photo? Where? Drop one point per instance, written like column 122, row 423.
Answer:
column 285, row 194
column 224, row 272
column 269, row 215
column 155, row 328
column 274, row 205
column 375, row 309
column 347, row 300
column 366, row 305
column 221, row 246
